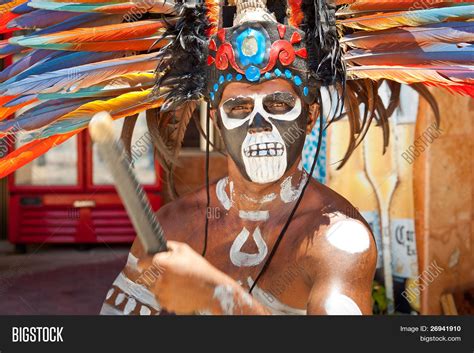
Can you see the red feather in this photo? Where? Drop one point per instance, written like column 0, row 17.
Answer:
column 7, row 17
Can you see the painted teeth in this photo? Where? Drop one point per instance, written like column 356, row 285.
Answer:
column 264, row 149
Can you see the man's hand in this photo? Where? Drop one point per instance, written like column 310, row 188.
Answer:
column 186, row 281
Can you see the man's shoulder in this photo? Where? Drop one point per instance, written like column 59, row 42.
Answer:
column 328, row 203
column 340, row 225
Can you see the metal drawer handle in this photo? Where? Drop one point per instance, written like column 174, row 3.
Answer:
column 84, row 203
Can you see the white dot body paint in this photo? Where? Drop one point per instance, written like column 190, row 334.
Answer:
column 132, row 262
column 222, row 194
column 242, row 259
column 340, row 304
column 119, row 299
column 349, row 235
column 130, row 306
column 288, row 193
column 145, row 311
column 109, row 293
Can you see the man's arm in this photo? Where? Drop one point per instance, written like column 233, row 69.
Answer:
column 128, row 294
column 343, row 261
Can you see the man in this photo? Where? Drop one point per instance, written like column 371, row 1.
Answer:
column 325, row 263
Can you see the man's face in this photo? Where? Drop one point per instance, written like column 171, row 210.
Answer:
column 263, row 127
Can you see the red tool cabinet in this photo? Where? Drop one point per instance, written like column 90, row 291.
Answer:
column 66, row 196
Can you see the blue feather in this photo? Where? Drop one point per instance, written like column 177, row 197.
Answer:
column 24, row 63
column 411, row 18
column 430, row 55
column 19, row 100
column 40, row 19
column 10, row 49
column 65, row 6
column 67, row 80
column 41, row 115
column 64, row 60
column 22, row 9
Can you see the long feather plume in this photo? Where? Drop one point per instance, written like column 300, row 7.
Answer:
column 40, row 115
column 62, row 60
column 460, row 79
column 409, row 18
column 82, row 76
column 40, row 19
column 366, row 6
column 449, row 32
column 122, row 31
column 430, row 55
column 104, row 7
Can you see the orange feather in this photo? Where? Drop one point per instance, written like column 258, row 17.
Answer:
column 5, row 112
column 30, row 151
column 141, row 44
column 296, row 15
column 121, row 31
column 213, row 13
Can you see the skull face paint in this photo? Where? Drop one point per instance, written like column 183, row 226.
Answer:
column 264, row 133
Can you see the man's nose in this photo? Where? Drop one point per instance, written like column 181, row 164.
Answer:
column 259, row 124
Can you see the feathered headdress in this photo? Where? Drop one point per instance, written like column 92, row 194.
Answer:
column 84, row 56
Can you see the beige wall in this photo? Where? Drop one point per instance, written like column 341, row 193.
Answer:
column 444, row 198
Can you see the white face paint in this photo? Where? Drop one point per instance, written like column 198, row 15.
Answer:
column 264, row 153
column 243, row 259
column 339, row 304
column 349, row 236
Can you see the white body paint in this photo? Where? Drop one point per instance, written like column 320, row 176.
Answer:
column 130, row 306
column 119, row 299
column 289, row 193
column 254, row 216
column 264, row 199
column 109, row 293
column 132, row 262
column 145, row 311
column 225, row 295
column 222, row 194
column 340, row 304
column 137, row 291
column 242, row 259
column 349, row 236
column 108, row 309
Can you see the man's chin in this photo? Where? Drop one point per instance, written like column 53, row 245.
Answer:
column 264, row 170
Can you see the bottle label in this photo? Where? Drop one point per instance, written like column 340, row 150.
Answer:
column 403, row 244
column 373, row 219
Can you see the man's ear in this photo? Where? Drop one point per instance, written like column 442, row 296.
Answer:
column 212, row 114
column 313, row 115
